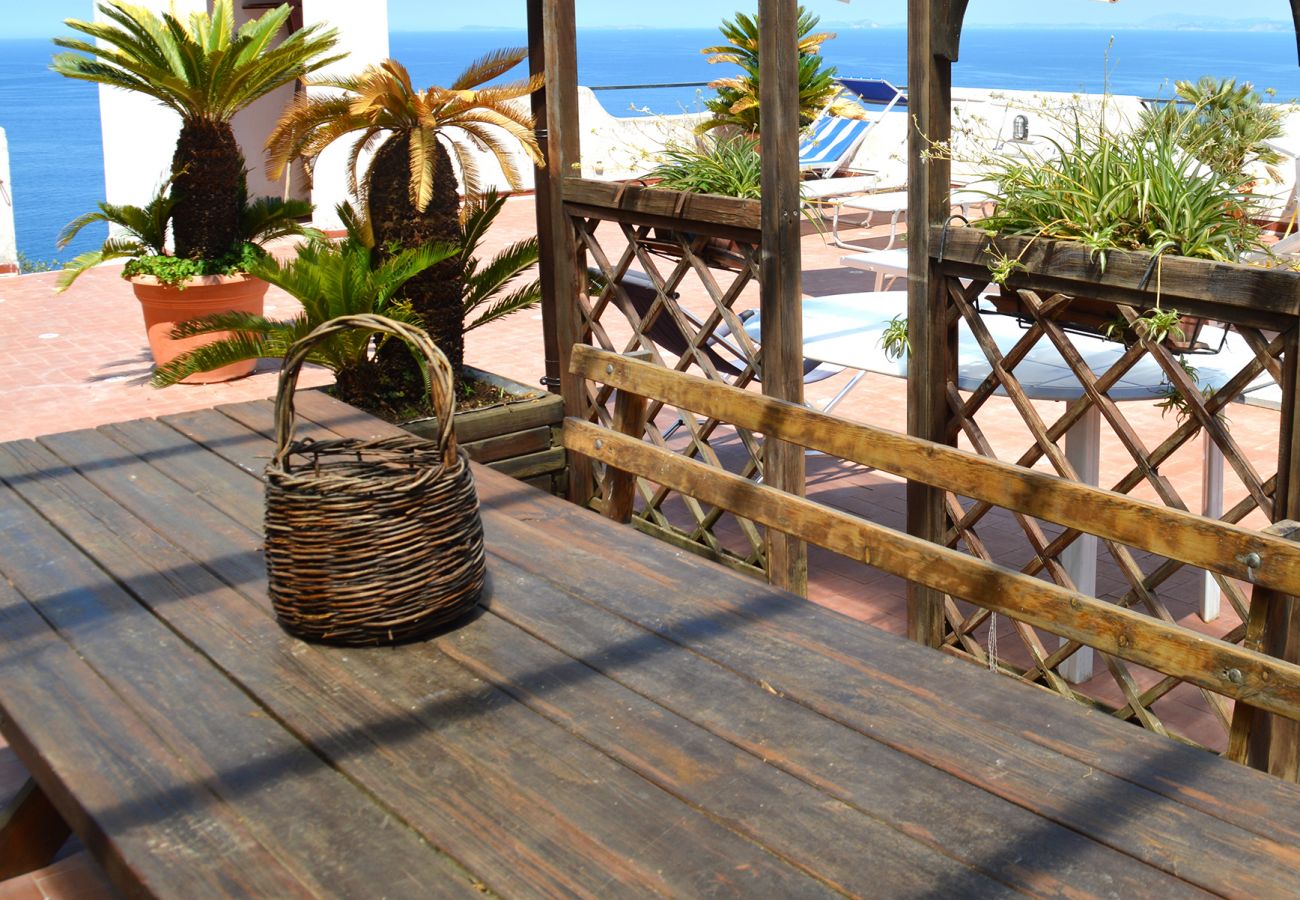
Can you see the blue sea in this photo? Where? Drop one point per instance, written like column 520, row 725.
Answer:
column 57, row 164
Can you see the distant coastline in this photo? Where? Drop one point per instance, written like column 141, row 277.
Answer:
column 52, row 123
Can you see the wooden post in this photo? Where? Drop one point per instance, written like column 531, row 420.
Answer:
column 929, row 101
column 781, row 301
column 1274, row 742
column 543, row 201
column 31, row 832
column 620, row 485
column 568, row 269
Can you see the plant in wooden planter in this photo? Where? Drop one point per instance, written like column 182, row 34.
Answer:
column 205, row 70
column 1146, row 190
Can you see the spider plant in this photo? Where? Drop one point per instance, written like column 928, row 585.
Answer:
column 1141, row 191
column 729, row 165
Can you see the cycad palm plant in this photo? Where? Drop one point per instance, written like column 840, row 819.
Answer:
column 736, row 104
column 350, row 278
column 206, row 70
column 141, row 231
column 410, row 189
column 329, row 280
column 492, row 291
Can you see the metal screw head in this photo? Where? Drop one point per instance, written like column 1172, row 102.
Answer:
column 599, row 444
column 609, row 369
column 1235, row 676
column 1252, row 562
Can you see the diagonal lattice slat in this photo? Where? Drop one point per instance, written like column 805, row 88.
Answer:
column 704, row 335
column 1156, row 586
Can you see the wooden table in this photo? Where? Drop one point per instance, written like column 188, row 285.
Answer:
column 624, row 719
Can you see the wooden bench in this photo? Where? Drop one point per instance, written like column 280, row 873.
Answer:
column 1269, row 560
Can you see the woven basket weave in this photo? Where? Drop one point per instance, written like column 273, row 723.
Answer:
column 371, row 541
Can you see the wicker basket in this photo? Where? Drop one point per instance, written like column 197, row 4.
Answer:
column 371, row 541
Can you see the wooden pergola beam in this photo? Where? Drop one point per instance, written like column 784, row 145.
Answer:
column 781, row 295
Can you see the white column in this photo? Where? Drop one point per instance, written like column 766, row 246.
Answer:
column 1083, row 450
column 363, row 33
column 1211, row 507
column 139, row 133
column 8, row 236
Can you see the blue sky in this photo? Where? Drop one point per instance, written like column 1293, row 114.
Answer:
column 22, row 18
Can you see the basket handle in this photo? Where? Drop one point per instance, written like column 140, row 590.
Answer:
column 440, row 378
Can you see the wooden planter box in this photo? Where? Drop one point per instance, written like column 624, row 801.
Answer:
column 520, row 437
column 1232, row 292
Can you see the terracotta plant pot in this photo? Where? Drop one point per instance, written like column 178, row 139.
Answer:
column 165, row 307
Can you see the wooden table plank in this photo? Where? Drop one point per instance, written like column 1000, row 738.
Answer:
column 146, row 816
column 646, row 688
column 1230, row 792
column 1004, row 841
column 229, row 742
column 794, row 819
column 433, row 742
column 208, row 478
column 750, row 630
column 986, row 834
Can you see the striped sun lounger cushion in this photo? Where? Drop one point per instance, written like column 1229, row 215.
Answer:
column 831, row 141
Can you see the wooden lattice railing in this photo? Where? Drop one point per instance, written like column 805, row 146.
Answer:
column 1052, row 282
column 1221, row 668
column 639, row 249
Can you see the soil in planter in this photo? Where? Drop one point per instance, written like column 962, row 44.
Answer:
column 473, row 394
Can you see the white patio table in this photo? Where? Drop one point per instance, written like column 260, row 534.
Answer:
column 846, row 330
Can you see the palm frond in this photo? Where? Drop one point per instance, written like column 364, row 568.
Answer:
column 268, row 218
column 203, row 68
column 382, row 99
column 489, row 66
column 524, row 298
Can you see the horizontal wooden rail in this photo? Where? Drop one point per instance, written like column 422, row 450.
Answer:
column 740, row 217
column 1173, row 533
column 1224, row 668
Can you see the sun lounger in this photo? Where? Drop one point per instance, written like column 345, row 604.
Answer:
column 886, row 264
column 895, row 204
column 875, row 92
column 831, row 144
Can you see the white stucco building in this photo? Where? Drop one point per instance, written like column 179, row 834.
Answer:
column 140, row 134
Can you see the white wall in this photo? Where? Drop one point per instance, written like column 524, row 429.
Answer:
column 139, row 133
column 253, row 124
column 8, row 239
column 363, row 31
